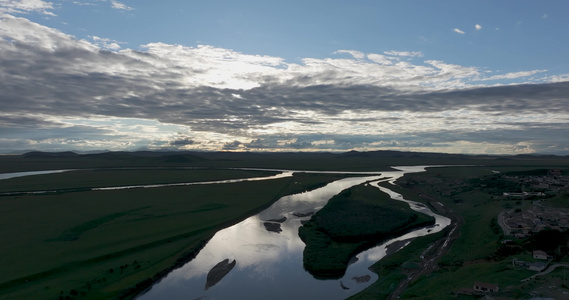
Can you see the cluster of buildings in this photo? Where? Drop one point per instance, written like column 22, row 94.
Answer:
column 554, row 181
column 484, row 288
column 479, row 288
column 521, row 223
column 524, row 194
column 537, row 266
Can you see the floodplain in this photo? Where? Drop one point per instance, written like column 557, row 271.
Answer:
column 76, row 242
column 73, row 242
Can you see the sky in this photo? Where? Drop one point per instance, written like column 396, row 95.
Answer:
column 452, row 76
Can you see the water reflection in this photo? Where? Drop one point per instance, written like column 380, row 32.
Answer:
column 29, row 173
column 150, row 186
column 282, row 174
column 269, row 264
column 374, row 254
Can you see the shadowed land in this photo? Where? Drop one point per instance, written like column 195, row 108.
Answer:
column 477, row 251
column 356, row 219
column 113, row 244
column 349, row 161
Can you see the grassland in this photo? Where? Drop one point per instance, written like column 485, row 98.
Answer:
column 392, row 269
column 103, row 244
column 357, row 218
column 473, row 255
column 107, row 244
column 94, row 178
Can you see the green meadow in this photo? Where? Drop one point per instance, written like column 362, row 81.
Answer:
column 473, row 255
column 77, row 243
column 96, row 178
column 113, row 243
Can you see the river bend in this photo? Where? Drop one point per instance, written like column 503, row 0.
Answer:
column 268, row 263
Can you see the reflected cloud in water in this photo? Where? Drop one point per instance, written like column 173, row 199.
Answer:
column 269, row 264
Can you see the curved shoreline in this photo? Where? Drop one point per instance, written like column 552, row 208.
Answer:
column 357, row 219
column 188, row 248
column 369, row 244
column 145, row 285
column 142, row 287
column 187, row 281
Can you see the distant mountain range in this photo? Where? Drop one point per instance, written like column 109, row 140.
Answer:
column 347, row 161
column 179, row 156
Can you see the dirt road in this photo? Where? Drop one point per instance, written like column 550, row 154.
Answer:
column 431, row 255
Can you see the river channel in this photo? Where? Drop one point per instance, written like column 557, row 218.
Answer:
column 268, row 263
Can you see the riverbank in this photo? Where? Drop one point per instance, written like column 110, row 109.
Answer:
column 419, row 258
column 468, row 251
column 92, row 263
column 120, row 238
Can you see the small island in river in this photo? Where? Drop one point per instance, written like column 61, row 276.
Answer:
column 356, row 219
column 218, row 272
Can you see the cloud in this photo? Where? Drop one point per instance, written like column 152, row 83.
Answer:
column 404, row 53
column 334, row 143
column 183, row 142
column 83, row 3
column 558, row 78
column 29, row 131
column 513, row 75
column 477, row 27
column 380, row 59
column 235, row 145
column 21, row 34
column 544, row 16
column 518, row 138
column 82, row 95
column 106, row 43
column 458, row 31
column 121, row 6
column 354, row 54
column 259, row 144
column 26, row 6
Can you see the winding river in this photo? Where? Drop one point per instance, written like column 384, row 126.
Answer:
column 268, row 260
column 29, row 173
column 268, row 263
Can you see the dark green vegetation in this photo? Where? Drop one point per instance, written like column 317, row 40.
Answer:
column 77, row 243
column 393, row 268
column 112, row 244
column 82, row 180
column 357, row 218
column 351, row 161
column 472, row 197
